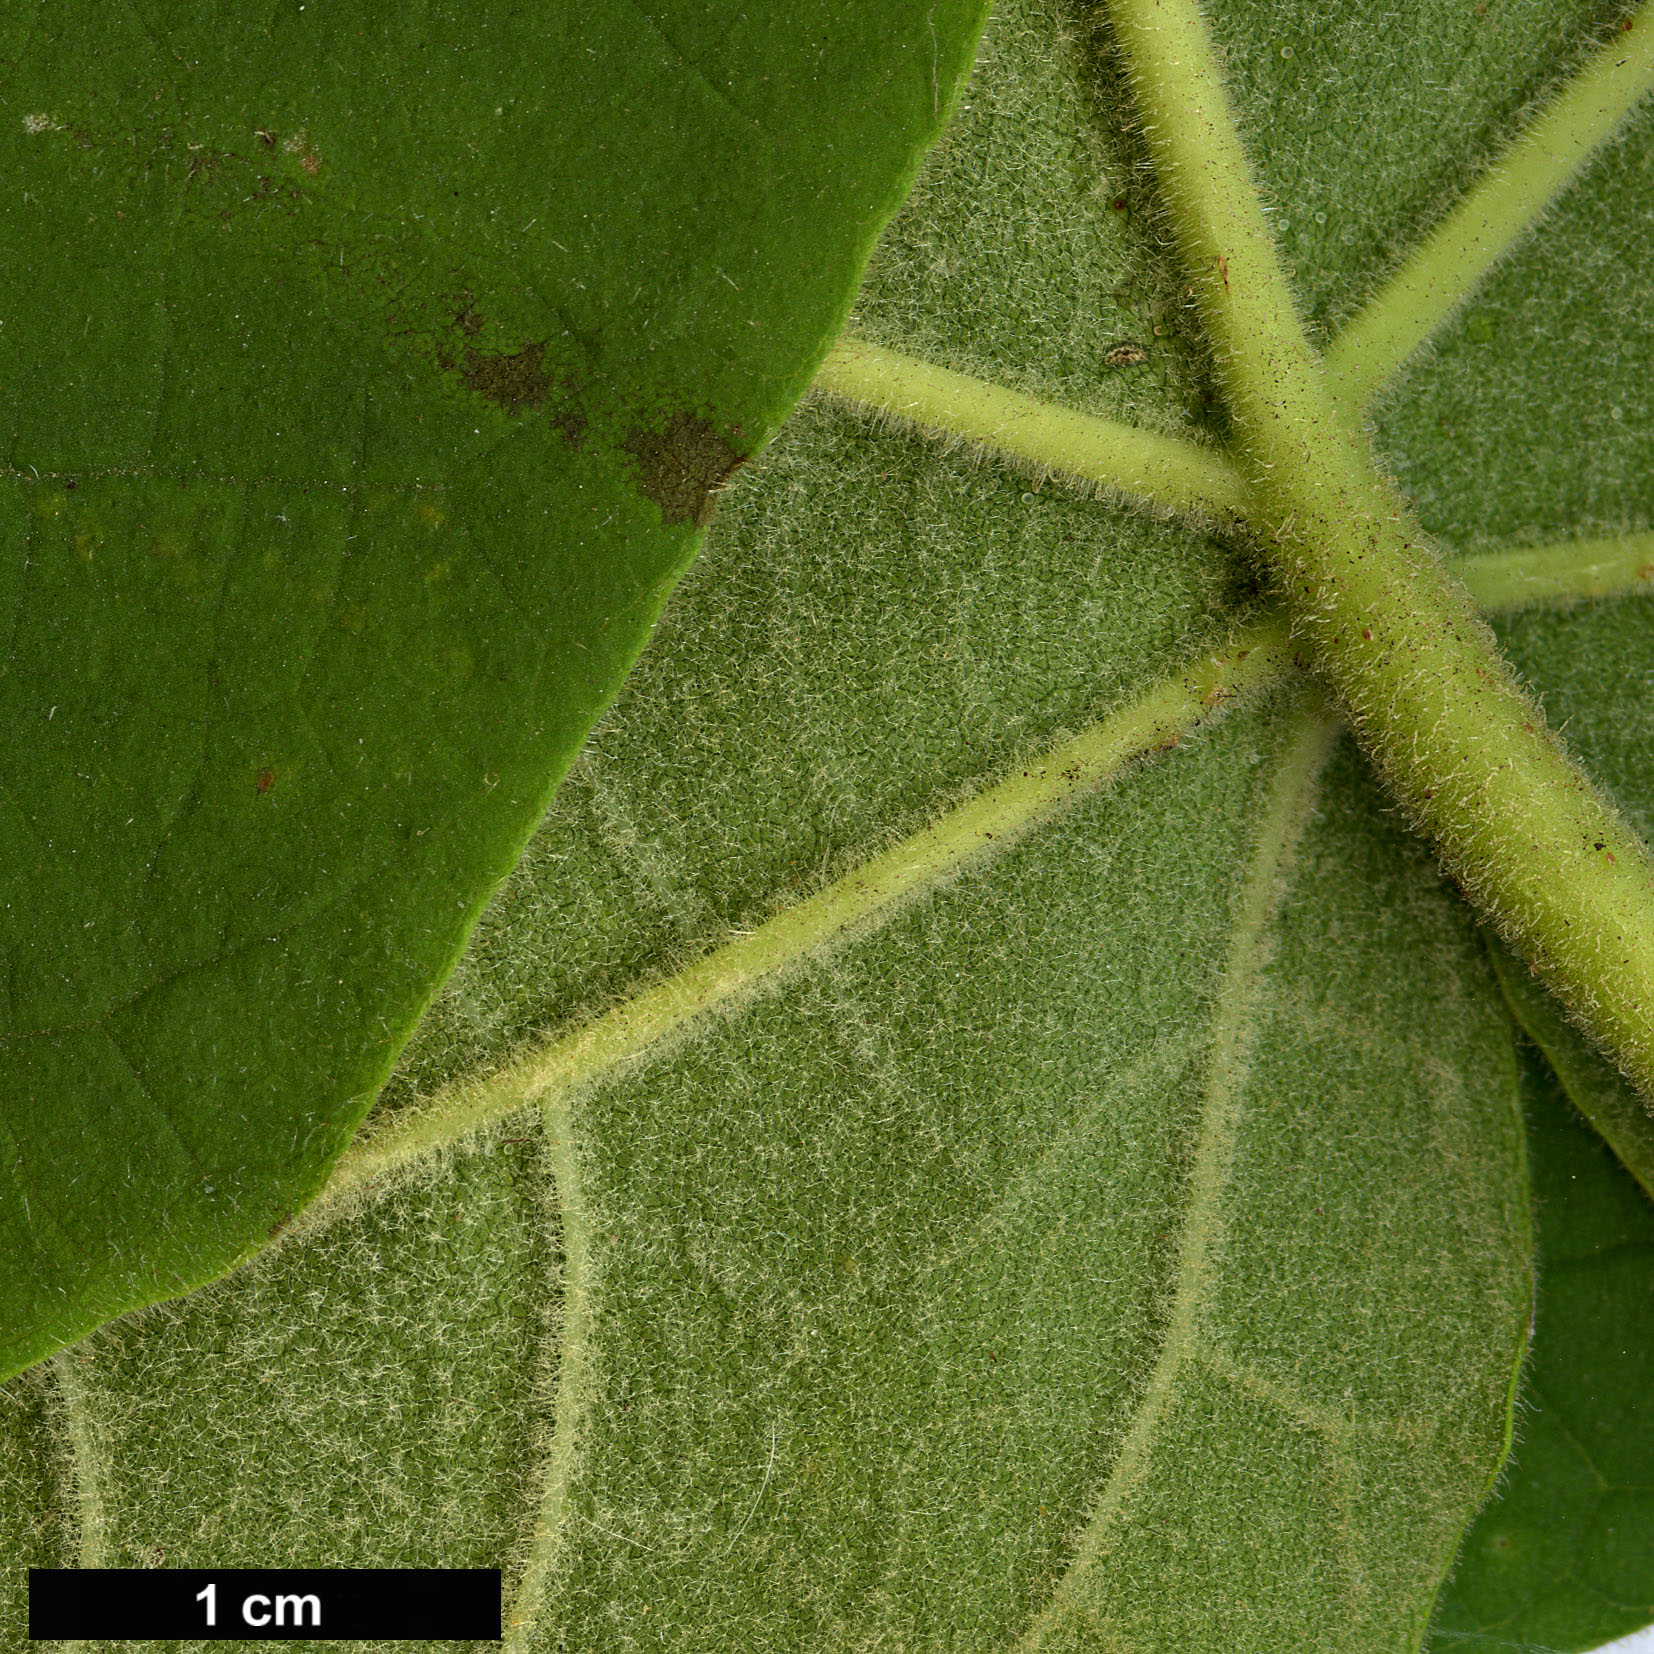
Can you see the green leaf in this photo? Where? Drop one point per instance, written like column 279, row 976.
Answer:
column 973, row 1124
column 1603, row 1097
column 930, row 1301
column 367, row 384
column 1563, row 1557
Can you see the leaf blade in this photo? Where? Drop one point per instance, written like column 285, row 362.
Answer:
column 1559, row 1557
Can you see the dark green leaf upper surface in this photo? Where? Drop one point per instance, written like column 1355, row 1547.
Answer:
column 366, row 381
column 1563, row 1558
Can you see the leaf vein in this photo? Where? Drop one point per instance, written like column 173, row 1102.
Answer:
column 1250, row 948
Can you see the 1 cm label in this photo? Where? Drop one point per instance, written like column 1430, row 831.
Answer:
column 258, row 1610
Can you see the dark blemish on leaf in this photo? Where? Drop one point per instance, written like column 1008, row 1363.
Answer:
column 467, row 318
column 1128, row 355
column 513, row 382
column 683, row 467
column 266, row 780
column 516, row 381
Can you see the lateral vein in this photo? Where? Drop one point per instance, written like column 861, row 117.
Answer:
column 1054, row 440
column 528, row 1606
column 1250, row 949
column 1568, row 571
column 981, row 826
column 88, row 1471
column 1439, row 275
column 1492, row 216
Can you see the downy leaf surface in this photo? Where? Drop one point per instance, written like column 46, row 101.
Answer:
column 928, row 1150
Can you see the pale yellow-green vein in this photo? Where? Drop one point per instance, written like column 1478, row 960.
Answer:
column 1565, row 572
column 1493, row 216
column 1439, row 275
column 88, row 1471
column 1544, row 855
column 1053, row 440
column 574, row 1383
column 981, row 826
column 1202, row 1225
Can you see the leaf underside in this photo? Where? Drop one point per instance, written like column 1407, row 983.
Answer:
column 1125, row 1245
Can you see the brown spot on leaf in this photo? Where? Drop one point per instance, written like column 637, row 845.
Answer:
column 682, row 467
column 513, row 382
column 1126, row 356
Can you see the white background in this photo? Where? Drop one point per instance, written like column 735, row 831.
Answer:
column 1640, row 1642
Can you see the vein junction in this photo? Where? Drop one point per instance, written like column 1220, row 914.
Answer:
column 1541, row 852
column 1169, row 473
column 1064, row 443
column 1489, row 221
column 1255, row 658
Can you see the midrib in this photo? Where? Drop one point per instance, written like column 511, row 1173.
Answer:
column 1250, row 947
column 1488, row 221
column 981, row 828
column 1052, row 439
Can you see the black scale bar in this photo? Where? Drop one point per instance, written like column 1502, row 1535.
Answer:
column 265, row 1604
